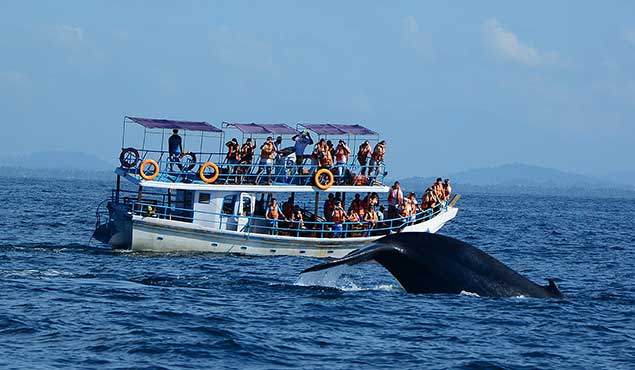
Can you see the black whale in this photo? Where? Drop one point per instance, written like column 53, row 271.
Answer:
column 432, row 263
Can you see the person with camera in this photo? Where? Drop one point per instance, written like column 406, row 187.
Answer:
column 338, row 218
column 342, row 151
column 301, row 140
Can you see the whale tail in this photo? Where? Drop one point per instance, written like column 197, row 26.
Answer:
column 433, row 263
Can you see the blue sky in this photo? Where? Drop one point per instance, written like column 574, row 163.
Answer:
column 450, row 85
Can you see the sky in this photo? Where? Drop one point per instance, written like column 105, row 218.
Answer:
column 450, row 85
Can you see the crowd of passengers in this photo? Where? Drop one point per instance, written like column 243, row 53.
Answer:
column 324, row 155
column 364, row 216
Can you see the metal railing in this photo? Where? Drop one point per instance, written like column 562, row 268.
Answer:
column 277, row 171
column 253, row 224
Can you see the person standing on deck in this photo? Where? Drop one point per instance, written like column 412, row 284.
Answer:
column 395, row 199
column 233, row 155
column 175, row 148
column 267, row 154
column 272, row 214
column 301, row 142
column 362, row 155
column 377, row 158
column 342, row 151
column 447, row 189
column 338, row 217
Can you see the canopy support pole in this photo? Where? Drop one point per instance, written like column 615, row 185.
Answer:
column 118, row 189
column 317, row 205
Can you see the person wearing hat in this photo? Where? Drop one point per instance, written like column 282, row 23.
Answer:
column 175, row 148
column 302, row 140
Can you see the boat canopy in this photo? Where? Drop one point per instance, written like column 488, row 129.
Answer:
column 338, row 129
column 262, row 128
column 172, row 124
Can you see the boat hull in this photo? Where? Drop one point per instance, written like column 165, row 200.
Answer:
column 160, row 235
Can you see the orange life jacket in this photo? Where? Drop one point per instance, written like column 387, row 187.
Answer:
column 338, row 215
column 273, row 213
column 267, row 151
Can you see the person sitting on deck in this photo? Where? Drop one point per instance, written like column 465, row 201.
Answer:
column 362, row 156
column 267, row 154
column 439, row 191
column 371, row 219
column 301, row 142
column 341, row 158
column 377, row 158
column 175, row 148
column 338, row 217
column 272, row 214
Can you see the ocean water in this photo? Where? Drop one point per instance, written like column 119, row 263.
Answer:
column 68, row 303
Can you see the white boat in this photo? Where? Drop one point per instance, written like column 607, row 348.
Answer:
column 161, row 205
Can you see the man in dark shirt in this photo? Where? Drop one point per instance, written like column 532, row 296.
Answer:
column 175, row 148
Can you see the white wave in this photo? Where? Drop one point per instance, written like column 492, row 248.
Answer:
column 35, row 273
column 334, row 278
column 469, row 294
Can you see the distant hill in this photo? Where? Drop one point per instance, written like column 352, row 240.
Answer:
column 57, row 160
column 522, row 175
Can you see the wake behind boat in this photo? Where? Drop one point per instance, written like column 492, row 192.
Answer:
column 226, row 201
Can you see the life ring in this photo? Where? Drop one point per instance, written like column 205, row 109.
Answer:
column 318, row 177
column 129, row 157
column 201, row 172
column 188, row 161
column 155, row 169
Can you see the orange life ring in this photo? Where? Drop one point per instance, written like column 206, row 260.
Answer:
column 155, row 171
column 319, row 173
column 201, row 172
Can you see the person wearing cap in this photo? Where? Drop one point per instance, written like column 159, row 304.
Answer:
column 267, row 154
column 175, row 148
column 302, row 140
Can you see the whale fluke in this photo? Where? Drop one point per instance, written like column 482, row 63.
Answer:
column 433, row 263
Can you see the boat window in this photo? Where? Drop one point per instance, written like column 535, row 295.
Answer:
column 203, row 198
column 228, row 204
column 246, row 206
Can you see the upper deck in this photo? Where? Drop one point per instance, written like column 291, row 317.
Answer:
column 206, row 161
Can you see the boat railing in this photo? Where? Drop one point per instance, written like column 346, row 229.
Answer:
column 153, row 165
column 252, row 224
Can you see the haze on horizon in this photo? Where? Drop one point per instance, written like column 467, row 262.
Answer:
column 451, row 86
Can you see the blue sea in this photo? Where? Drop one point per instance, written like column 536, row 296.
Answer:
column 67, row 303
